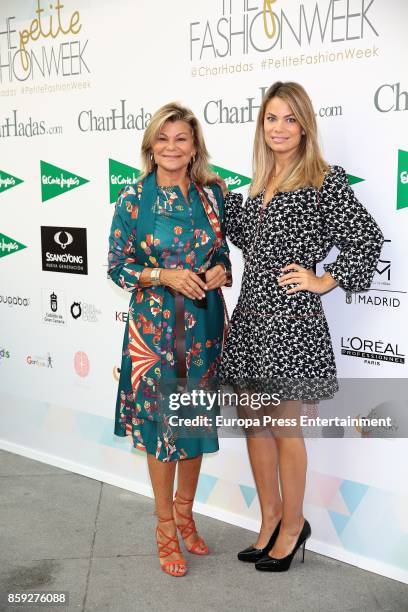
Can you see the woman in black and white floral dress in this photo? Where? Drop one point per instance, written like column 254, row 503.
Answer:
column 299, row 207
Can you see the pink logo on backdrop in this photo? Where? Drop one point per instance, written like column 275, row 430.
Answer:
column 81, row 364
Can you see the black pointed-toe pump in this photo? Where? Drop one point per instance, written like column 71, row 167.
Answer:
column 252, row 554
column 270, row 564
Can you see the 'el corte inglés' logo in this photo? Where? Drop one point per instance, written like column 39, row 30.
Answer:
column 120, row 175
column 353, row 180
column 233, row 180
column 9, row 245
column 55, row 181
column 7, row 181
column 402, row 184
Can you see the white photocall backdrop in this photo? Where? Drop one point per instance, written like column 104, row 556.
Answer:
column 72, row 112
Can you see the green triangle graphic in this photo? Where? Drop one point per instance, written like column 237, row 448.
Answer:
column 55, row 181
column 9, row 245
column 120, row 175
column 8, row 181
column 232, row 179
column 402, row 180
column 354, row 179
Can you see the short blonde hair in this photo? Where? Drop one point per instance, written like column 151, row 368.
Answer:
column 308, row 166
column 199, row 169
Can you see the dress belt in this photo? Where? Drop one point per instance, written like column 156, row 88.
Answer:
column 180, row 327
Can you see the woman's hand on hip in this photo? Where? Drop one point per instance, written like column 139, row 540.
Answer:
column 305, row 280
column 184, row 281
column 216, row 277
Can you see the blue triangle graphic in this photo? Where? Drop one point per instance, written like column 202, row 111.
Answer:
column 339, row 521
column 248, row 494
column 353, row 493
column 205, row 486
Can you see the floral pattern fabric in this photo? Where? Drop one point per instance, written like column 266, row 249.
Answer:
column 282, row 341
column 156, row 226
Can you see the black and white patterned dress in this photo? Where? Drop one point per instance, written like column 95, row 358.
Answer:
column 282, row 341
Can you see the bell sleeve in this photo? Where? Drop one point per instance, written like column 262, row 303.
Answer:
column 352, row 229
column 221, row 255
column 122, row 266
column 234, row 218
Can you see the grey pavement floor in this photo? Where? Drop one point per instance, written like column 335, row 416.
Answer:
column 64, row 531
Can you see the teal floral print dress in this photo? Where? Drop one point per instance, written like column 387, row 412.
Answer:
column 156, row 226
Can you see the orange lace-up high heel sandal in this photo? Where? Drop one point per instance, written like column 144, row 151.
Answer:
column 199, row 547
column 167, row 546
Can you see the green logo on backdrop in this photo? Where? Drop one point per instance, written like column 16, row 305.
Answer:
column 55, row 181
column 9, row 245
column 233, row 180
column 354, row 179
column 7, row 181
column 119, row 176
column 402, row 181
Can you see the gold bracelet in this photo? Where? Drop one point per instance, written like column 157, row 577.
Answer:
column 155, row 276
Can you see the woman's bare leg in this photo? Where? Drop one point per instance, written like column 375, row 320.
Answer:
column 263, row 455
column 187, row 479
column 292, row 475
column 162, row 478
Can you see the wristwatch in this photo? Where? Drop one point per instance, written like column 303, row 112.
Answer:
column 228, row 273
column 155, row 276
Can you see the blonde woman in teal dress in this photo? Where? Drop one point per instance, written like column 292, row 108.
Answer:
column 167, row 249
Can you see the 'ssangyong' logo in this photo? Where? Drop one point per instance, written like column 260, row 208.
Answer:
column 9, row 245
column 8, row 181
column 64, row 249
column 402, row 180
column 55, row 181
column 120, row 175
column 265, row 25
column 48, row 46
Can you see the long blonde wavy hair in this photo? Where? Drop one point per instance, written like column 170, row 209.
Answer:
column 198, row 169
column 308, row 166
